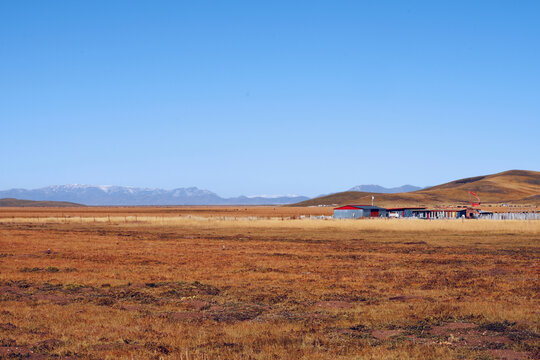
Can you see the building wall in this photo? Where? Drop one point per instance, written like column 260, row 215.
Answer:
column 408, row 213
column 382, row 213
column 401, row 213
column 438, row 214
column 348, row 214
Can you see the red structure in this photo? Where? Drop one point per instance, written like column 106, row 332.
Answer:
column 474, row 203
column 350, row 207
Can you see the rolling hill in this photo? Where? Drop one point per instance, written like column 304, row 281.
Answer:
column 514, row 186
column 10, row 202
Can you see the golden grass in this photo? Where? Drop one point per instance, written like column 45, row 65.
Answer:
column 201, row 211
column 460, row 225
column 192, row 287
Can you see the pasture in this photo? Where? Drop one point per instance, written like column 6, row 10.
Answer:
column 263, row 283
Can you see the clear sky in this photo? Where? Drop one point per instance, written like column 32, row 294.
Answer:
column 267, row 97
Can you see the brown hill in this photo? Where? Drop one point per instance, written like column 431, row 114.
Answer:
column 10, row 202
column 514, row 186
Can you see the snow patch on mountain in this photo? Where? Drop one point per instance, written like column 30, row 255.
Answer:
column 382, row 189
column 272, row 196
column 126, row 195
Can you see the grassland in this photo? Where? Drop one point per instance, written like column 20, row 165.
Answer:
column 261, row 283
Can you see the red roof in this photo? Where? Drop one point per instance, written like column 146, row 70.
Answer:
column 347, row 207
column 358, row 207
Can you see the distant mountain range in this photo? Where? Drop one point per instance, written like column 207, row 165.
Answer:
column 383, row 190
column 120, row 195
column 509, row 186
column 104, row 195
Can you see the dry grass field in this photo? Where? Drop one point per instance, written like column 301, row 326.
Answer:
column 225, row 283
column 163, row 211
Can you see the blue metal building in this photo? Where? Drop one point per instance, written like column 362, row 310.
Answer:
column 359, row 211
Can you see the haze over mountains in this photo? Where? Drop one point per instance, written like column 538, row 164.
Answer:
column 103, row 195
column 130, row 196
column 383, row 190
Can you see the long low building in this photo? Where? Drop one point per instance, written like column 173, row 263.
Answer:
column 442, row 213
column 403, row 212
column 370, row 211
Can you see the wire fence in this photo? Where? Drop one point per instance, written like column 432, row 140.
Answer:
column 511, row 216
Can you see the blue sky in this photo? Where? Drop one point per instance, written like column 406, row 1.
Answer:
column 276, row 97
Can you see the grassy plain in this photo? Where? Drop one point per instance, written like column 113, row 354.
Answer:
column 226, row 283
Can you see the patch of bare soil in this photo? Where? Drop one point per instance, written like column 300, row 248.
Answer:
column 452, row 328
column 385, row 334
column 228, row 312
column 41, row 350
column 472, row 335
column 20, row 352
column 147, row 293
column 476, row 339
column 494, row 339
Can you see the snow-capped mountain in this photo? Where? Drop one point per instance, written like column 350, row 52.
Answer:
column 123, row 195
column 381, row 189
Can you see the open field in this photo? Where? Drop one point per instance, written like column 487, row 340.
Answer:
column 164, row 211
column 220, row 283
